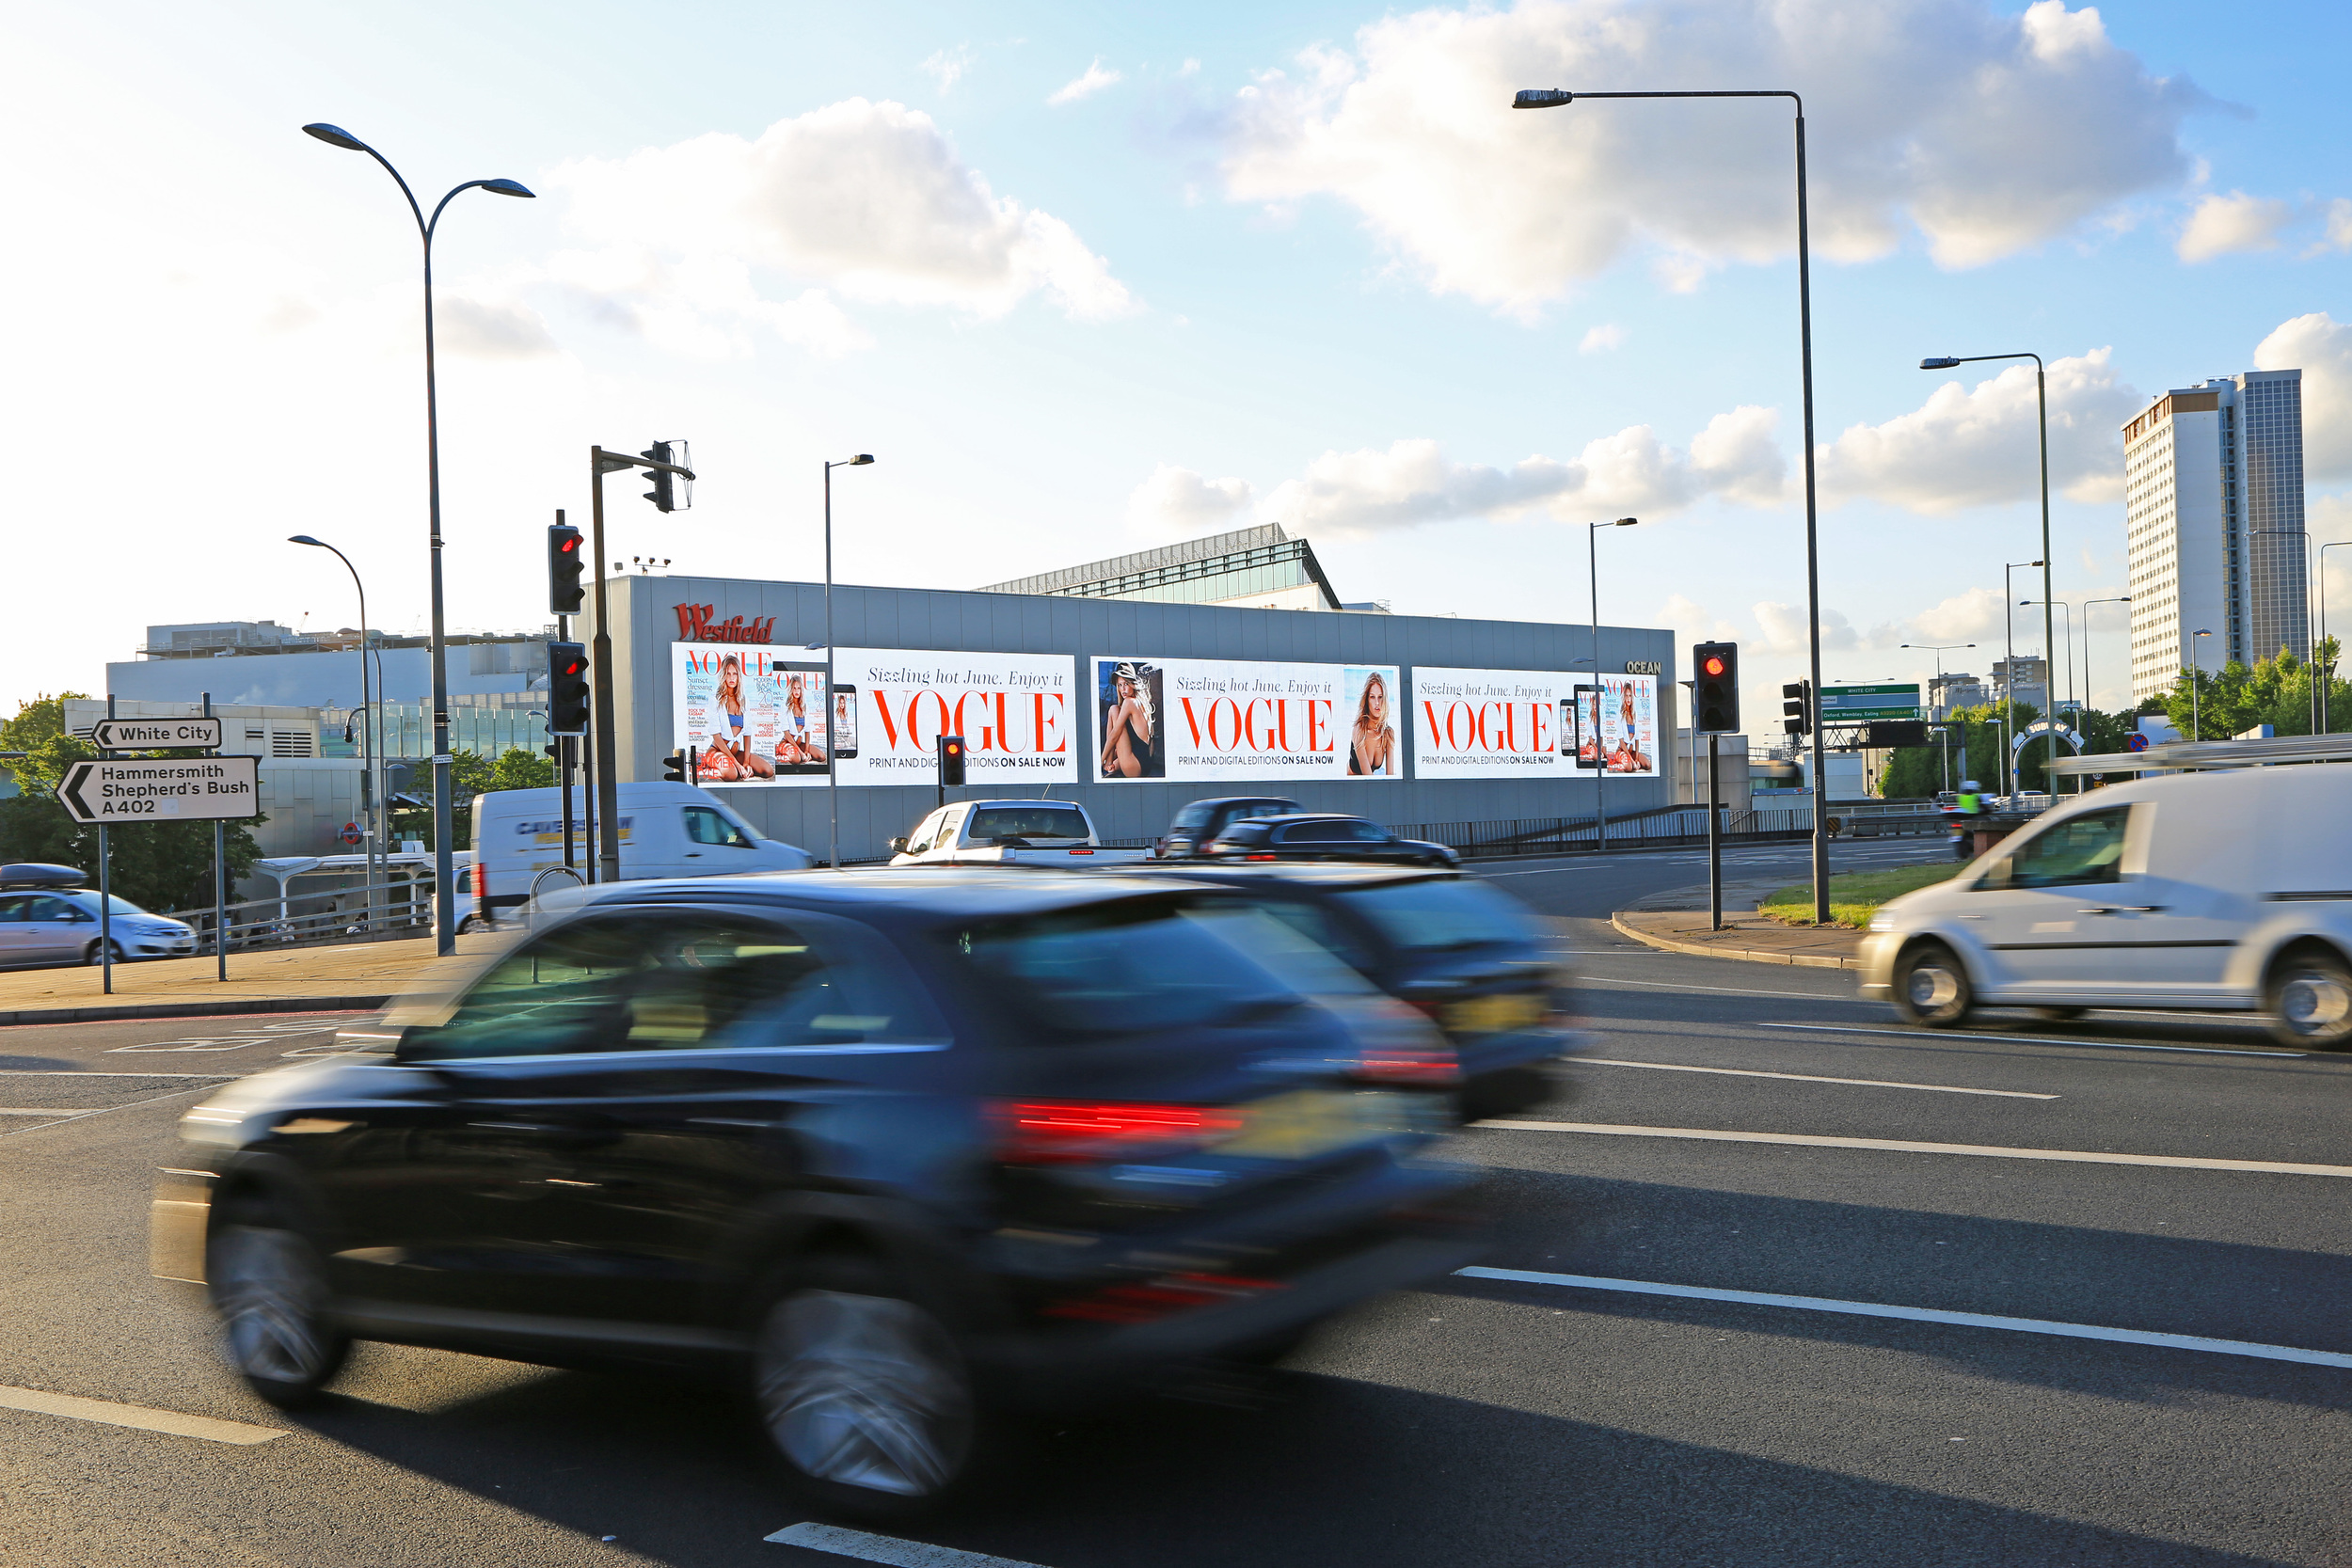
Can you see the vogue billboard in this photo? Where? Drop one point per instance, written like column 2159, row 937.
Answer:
column 1494, row 724
column 1192, row 719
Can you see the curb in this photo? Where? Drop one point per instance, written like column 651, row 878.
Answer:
column 1752, row 955
column 194, row 1009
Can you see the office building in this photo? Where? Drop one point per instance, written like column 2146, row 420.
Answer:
column 1953, row 689
column 1259, row 569
column 263, row 664
column 2213, row 495
column 2024, row 678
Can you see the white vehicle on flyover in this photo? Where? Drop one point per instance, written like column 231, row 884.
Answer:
column 2214, row 890
column 1008, row 833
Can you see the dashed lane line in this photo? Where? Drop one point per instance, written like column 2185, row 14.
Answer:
column 1900, row 1145
column 106, row 1411
column 1921, row 1314
column 885, row 1548
column 1810, row 1078
column 2031, row 1039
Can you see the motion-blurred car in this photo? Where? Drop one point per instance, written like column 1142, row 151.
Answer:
column 1469, row 955
column 47, row 918
column 896, row 1152
column 1190, row 831
column 1323, row 836
column 2226, row 892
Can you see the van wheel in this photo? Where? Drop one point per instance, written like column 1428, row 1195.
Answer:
column 2310, row 999
column 1932, row 986
column 863, row 1394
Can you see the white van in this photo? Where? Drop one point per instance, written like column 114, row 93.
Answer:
column 667, row 830
column 2227, row 891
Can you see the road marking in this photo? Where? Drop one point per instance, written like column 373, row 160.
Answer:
column 110, row 1413
column 1728, row 990
column 1809, row 1140
column 2031, row 1039
column 1809, row 1078
column 16, row 1111
column 64, row 1117
column 1924, row 1315
column 78, row 1073
column 886, row 1548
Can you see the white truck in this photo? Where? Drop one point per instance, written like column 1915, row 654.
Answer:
column 1008, row 833
column 666, row 830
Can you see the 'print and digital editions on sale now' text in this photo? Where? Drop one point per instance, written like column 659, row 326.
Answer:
column 760, row 719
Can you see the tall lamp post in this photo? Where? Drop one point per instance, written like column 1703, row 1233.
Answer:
column 2325, row 678
column 2196, row 671
column 833, row 747
column 2119, row 598
column 2041, row 411
column 1600, row 758
column 1939, row 650
column 444, row 876
column 2009, row 679
column 2051, row 680
column 1555, row 98
column 371, row 786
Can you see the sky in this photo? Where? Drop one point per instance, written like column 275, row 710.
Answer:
column 1088, row 278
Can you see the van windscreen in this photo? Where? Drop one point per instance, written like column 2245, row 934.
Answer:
column 1042, row 819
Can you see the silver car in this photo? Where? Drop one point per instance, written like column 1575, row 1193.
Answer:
column 63, row 927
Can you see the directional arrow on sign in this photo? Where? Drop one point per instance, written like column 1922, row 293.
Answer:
column 76, row 805
column 139, row 734
column 162, row 789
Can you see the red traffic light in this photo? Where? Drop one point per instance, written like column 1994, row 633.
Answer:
column 1714, row 664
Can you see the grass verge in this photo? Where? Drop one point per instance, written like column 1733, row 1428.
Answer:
column 1853, row 896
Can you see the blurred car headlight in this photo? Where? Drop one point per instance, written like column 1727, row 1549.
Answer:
column 1882, row 921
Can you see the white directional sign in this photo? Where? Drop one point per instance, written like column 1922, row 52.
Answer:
column 152, row 735
column 179, row 790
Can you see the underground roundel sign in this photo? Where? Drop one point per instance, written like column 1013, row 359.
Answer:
column 351, row 832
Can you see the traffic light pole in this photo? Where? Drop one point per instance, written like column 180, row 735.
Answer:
column 605, row 752
column 1714, row 843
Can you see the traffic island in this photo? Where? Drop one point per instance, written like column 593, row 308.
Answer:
column 355, row 975
column 1676, row 922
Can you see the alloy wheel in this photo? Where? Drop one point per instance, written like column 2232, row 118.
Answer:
column 865, row 1392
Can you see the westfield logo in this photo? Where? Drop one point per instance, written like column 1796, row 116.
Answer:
column 694, row 625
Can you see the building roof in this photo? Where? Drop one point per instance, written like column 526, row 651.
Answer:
column 1215, row 555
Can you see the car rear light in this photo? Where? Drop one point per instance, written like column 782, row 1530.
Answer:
column 1083, row 1131
column 1418, row 1068
column 478, row 876
column 1082, row 852
column 1145, row 1300
column 1261, row 857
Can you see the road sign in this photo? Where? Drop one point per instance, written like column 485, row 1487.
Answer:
column 2135, row 743
column 151, row 734
column 351, row 832
column 1849, row 704
column 182, row 789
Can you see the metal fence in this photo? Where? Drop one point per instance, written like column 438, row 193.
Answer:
column 335, row 914
column 1664, row 827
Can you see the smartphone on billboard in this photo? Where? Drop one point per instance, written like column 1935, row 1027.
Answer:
column 1588, row 747
column 845, row 720
column 1567, row 728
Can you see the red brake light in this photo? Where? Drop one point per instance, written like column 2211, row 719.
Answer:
column 1409, row 1067
column 1082, row 852
column 1064, row 1132
column 1262, row 857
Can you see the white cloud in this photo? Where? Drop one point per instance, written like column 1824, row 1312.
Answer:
column 949, row 66
column 1974, row 616
column 2338, row 226
column 1093, row 80
column 1784, row 629
column 1599, row 339
column 1975, row 447
column 1178, row 500
column 2222, row 224
column 2321, row 347
column 486, row 332
column 866, row 201
column 1987, row 133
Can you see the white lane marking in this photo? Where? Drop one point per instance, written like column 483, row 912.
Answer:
column 64, row 1117
column 80, row 1073
column 2033, row 1040
column 74, row 1407
column 1925, row 1315
column 885, row 1548
column 1728, row 990
column 1898, row 1145
column 1809, row 1078
column 17, row 1111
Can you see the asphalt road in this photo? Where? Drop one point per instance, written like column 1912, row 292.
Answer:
column 1479, row 1420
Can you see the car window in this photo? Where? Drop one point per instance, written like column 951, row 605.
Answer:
column 704, row 826
column 990, row 823
column 920, row 839
column 1191, row 817
column 1443, row 915
column 1318, row 926
column 46, row 906
column 1250, row 832
column 2084, row 848
column 1313, row 832
column 671, row 981
column 1127, row 968
column 13, row 910
column 1367, row 832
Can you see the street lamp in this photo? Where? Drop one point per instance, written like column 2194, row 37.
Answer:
column 2041, row 410
column 2119, row 598
column 443, row 868
column 370, row 787
column 2050, row 680
column 1939, row 650
column 832, row 740
column 2009, row 677
column 1555, row 98
column 2324, row 679
column 2196, row 668
column 1601, row 759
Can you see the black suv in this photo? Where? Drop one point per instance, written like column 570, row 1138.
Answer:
column 1191, row 828
column 898, row 1151
column 1323, row 836
column 1469, row 957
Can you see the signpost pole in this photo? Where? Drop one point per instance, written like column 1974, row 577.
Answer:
column 220, row 862
column 105, row 898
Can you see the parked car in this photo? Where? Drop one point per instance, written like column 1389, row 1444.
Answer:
column 1323, row 836
column 898, row 1152
column 2219, row 891
column 1465, row 954
column 1199, row 821
column 666, row 830
column 46, row 917
column 1008, row 833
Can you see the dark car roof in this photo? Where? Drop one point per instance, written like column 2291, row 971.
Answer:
column 1290, row 817
column 1311, row 876
column 1232, row 801
column 966, row 891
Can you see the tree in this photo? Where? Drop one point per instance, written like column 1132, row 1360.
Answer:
column 158, row 866
column 2277, row 692
column 470, row 775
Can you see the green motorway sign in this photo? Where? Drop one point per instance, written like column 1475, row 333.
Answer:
column 1856, row 705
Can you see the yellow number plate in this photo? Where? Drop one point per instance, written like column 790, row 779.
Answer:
column 1312, row 1121
column 1497, row 1015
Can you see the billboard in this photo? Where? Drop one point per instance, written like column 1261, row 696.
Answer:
column 761, row 720
column 1195, row 719
column 1495, row 723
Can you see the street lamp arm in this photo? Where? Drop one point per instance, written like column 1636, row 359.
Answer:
column 500, row 187
column 1559, row 97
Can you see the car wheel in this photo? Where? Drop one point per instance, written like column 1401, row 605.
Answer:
column 863, row 1394
column 2060, row 1015
column 1932, row 986
column 268, row 1284
column 89, row 953
column 2310, row 1000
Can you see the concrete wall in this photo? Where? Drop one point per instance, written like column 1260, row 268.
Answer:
column 645, row 627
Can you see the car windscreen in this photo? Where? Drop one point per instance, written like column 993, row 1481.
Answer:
column 1128, row 968
column 1443, row 915
column 88, row 903
column 990, row 823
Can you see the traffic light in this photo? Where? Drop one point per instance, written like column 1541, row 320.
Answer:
column 670, row 492
column 676, row 768
column 1718, row 667
column 568, row 697
column 1796, row 706
column 950, row 761
column 565, row 561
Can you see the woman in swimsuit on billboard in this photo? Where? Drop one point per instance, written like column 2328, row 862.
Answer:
column 1128, row 724
column 1371, row 744
column 730, row 694
column 1629, row 757
column 798, row 743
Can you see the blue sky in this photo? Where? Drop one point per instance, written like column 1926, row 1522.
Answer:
column 1293, row 264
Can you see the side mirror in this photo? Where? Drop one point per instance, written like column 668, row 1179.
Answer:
column 898, row 846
